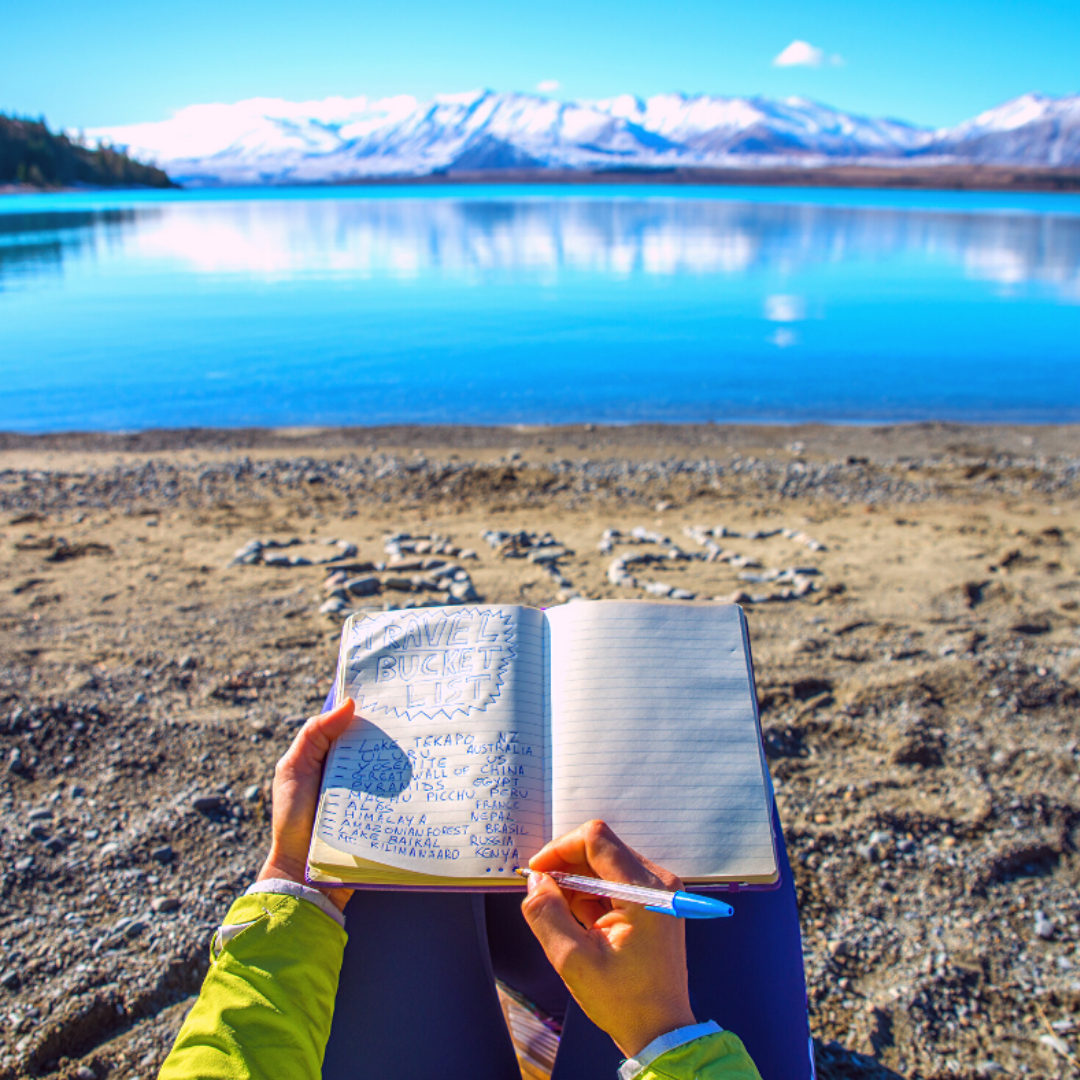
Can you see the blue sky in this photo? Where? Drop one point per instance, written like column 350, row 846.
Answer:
column 84, row 64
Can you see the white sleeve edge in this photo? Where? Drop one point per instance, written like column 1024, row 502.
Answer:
column 663, row 1043
column 301, row 892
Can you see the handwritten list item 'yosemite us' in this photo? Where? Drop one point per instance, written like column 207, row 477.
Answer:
column 482, row 732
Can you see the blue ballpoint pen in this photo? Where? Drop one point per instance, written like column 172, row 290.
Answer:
column 682, row 905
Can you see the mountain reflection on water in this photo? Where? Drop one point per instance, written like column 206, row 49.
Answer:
column 35, row 243
column 620, row 308
column 406, row 237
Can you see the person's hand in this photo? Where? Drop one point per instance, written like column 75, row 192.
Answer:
column 625, row 966
column 296, row 793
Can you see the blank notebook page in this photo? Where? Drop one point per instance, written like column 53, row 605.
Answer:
column 654, row 729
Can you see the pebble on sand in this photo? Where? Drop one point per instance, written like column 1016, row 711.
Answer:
column 1044, row 928
column 367, row 585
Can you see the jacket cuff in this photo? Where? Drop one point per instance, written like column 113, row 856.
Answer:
column 285, row 887
column 267, row 1001
column 663, row 1043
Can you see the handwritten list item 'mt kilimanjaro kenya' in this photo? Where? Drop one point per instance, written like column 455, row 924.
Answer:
column 483, row 732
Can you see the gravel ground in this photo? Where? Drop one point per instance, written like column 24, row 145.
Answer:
column 919, row 695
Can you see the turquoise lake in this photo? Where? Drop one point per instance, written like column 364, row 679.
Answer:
column 536, row 305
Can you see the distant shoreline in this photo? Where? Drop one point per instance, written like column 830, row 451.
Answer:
column 875, row 440
column 941, row 177
column 997, row 178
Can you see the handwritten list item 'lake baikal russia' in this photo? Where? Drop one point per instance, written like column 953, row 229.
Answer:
column 536, row 305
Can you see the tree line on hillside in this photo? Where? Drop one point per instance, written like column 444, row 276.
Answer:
column 31, row 154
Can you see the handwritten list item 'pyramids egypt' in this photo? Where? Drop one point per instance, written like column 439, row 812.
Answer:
column 483, row 732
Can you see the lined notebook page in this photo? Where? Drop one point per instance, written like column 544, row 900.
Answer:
column 446, row 770
column 654, row 729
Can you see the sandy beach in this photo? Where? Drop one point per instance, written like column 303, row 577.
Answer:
column 914, row 602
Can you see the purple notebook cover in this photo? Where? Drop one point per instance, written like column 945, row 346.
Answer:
column 725, row 887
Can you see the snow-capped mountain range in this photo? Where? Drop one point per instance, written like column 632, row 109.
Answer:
column 270, row 141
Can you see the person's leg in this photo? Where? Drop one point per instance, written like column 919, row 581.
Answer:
column 585, row 1052
column 416, row 999
column 520, row 962
column 517, row 958
column 746, row 973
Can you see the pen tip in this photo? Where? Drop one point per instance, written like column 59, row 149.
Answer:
column 521, row 871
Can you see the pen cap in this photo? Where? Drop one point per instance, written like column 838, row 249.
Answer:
column 692, row 906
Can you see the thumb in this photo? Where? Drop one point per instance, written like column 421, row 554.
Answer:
column 326, row 728
column 550, row 919
column 314, row 738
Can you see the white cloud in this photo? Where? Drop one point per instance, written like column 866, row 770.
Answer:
column 548, row 86
column 803, row 54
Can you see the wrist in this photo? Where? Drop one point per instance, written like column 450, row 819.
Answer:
column 278, row 865
column 634, row 1040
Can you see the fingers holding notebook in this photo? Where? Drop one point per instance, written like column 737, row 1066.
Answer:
column 297, row 779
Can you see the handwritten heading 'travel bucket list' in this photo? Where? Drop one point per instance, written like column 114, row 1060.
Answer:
column 423, row 664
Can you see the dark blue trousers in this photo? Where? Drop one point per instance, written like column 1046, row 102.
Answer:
column 417, row 995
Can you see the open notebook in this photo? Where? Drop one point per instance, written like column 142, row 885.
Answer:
column 486, row 731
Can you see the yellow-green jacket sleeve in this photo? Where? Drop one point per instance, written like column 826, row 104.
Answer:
column 720, row 1056
column 266, row 1004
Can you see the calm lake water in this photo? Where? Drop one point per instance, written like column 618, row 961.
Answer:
column 506, row 305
